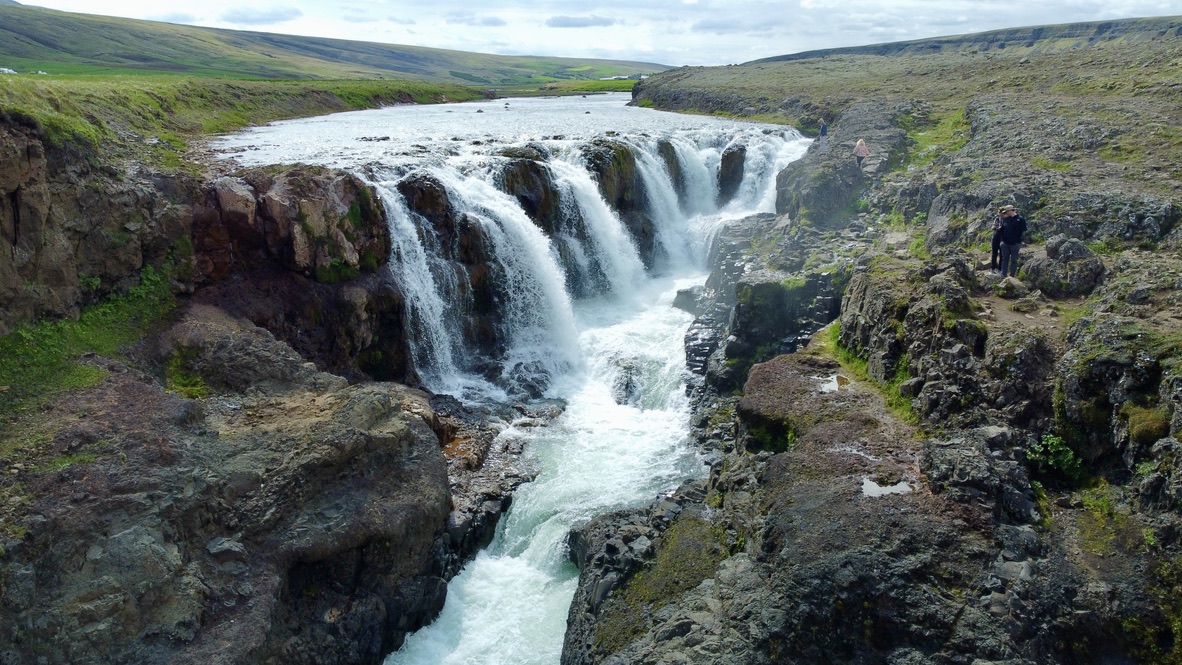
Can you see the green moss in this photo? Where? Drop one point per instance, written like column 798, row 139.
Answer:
column 41, row 360
column 853, row 362
column 336, row 271
column 354, row 216
column 67, row 461
column 1105, row 527
column 1044, row 163
column 919, row 249
column 1043, row 502
column 947, row 132
column 687, row 553
column 1146, row 425
column 181, row 379
column 369, row 261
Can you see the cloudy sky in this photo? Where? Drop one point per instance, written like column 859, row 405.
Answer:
column 672, row 32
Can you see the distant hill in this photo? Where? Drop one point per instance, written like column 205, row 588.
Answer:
column 1036, row 39
column 57, row 42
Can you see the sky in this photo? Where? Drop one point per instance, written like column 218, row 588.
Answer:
column 669, row 32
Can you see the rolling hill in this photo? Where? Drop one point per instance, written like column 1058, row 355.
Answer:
column 35, row 39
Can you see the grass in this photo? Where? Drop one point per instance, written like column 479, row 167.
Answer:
column 41, row 360
column 828, row 343
column 129, row 112
column 67, row 44
column 1127, row 86
column 947, row 132
column 1045, row 163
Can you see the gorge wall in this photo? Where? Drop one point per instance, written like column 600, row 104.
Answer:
column 962, row 468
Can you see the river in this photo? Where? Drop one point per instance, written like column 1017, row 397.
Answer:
column 616, row 357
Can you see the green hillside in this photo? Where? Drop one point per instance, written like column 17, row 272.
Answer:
column 62, row 43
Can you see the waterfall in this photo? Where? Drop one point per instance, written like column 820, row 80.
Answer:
column 537, row 315
column 613, row 351
column 614, row 250
column 699, row 169
column 767, row 154
column 665, row 209
column 433, row 333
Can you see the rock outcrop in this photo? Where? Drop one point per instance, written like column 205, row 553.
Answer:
column 963, row 468
column 302, row 520
column 71, row 232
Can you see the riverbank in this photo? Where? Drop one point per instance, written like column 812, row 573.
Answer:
column 950, row 467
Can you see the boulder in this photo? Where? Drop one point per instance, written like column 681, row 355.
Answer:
column 1069, row 268
column 298, row 522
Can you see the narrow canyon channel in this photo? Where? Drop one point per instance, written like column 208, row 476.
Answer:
column 580, row 308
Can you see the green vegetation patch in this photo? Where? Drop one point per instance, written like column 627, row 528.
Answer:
column 1050, row 455
column 688, row 552
column 180, row 378
column 1105, row 526
column 336, row 271
column 41, row 360
column 1045, row 163
column 1146, row 425
column 853, row 362
column 947, row 132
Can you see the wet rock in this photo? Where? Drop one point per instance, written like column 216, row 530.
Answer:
column 614, row 166
column 730, row 173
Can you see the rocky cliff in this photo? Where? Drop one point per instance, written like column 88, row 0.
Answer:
column 261, row 509
column 951, row 466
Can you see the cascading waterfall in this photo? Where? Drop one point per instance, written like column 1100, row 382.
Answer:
column 615, row 357
column 615, row 250
column 757, row 191
column 665, row 209
column 432, row 339
column 538, row 312
column 699, row 169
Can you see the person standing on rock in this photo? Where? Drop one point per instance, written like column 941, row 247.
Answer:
column 1013, row 227
column 824, row 134
column 861, row 151
column 994, row 257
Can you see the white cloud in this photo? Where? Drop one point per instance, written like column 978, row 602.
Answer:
column 578, row 21
column 673, row 32
column 252, row 16
column 474, row 20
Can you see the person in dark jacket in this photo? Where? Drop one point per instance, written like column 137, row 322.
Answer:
column 1013, row 227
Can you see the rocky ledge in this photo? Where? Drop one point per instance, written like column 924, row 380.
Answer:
column 289, row 517
column 948, row 467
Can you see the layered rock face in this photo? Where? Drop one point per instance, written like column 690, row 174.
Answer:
column 70, row 233
column 74, row 234
column 325, row 225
